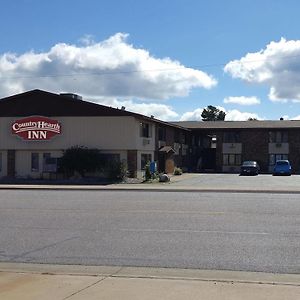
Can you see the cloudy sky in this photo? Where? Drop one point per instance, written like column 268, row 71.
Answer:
column 164, row 58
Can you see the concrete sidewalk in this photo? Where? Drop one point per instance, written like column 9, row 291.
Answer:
column 34, row 281
column 189, row 182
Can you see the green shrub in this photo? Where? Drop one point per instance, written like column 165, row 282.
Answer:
column 115, row 170
column 148, row 174
column 80, row 159
column 177, row 171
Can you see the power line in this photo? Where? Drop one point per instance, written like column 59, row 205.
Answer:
column 194, row 67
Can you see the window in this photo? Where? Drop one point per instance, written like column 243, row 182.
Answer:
column 274, row 157
column 35, row 162
column 145, row 130
column 46, row 157
column 231, row 137
column 145, row 158
column 162, row 133
column 278, row 137
column 49, row 163
column 231, row 159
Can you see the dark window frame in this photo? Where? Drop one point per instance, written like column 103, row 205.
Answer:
column 229, row 157
column 35, row 162
column 145, row 130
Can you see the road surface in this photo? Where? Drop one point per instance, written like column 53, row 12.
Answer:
column 220, row 231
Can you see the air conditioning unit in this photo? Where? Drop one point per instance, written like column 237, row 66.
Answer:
column 146, row 142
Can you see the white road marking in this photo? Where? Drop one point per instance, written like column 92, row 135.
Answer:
column 201, row 231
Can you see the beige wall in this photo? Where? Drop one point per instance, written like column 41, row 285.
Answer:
column 115, row 133
column 23, row 163
column 109, row 134
column 279, row 148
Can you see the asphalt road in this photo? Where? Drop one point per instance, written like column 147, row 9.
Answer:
column 222, row 231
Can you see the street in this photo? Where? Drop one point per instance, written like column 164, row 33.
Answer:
column 218, row 231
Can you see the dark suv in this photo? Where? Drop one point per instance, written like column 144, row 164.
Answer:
column 249, row 167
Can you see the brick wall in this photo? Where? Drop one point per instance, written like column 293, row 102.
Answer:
column 294, row 147
column 255, row 146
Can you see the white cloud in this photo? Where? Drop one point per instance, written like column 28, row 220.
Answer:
column 192, row 115
column 111, row 68
column 159, row 111
column 295, row 118
column 231, row 115
column 242, row 100
column 278, row 66
column 236, row 115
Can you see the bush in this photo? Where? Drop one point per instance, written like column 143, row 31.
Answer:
column 80, row 159
column 115, row 170
column 84, row 161
column 177, row 171
column 148, row 174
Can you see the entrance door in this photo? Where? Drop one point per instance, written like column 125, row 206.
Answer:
column 209, row 159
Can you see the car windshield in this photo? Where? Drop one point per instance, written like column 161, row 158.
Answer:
column 282, row 163
column 249, row 163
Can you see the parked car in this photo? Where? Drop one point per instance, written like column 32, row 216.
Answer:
column 249, row 167
column 282, row 167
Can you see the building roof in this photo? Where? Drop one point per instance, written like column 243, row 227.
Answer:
column 167, row 149
column 42, row 103
column 282, row 124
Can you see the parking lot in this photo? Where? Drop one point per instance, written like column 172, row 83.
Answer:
column 262, row 182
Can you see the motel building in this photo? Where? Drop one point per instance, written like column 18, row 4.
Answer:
column 37, row 126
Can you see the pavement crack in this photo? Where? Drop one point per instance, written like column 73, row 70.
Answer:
column 85, row 288
column 22, row 255
column 95, row 283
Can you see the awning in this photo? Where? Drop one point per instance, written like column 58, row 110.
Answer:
column 167, row 149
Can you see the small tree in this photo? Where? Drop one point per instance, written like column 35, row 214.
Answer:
column 80, row 159
column 211, row 113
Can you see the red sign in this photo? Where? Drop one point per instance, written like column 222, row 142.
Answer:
column 36, row 128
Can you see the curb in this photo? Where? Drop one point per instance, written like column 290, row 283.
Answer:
column 144, row 189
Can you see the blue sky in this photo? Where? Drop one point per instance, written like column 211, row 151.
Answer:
column 164, row 58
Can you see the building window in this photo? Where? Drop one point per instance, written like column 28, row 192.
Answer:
column 35, row 162
column 231, row 159
column 145, row 130
column 231, row 137
column 162, row 133
column 278, row 137
column 145, row 158
column 274, row 157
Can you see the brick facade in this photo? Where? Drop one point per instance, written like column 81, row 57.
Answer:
column 255, row 147
column 294, row 155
